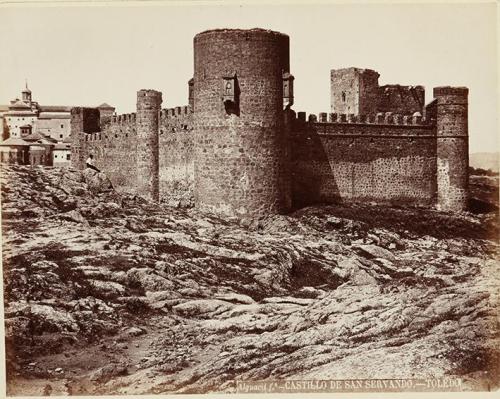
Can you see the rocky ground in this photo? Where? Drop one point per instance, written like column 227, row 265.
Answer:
column 109, row 294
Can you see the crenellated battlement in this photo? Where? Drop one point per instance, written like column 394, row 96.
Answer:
column 111, row 135
column 175, row 112
column 381, row 118
column 451, row 91
column 124, row 118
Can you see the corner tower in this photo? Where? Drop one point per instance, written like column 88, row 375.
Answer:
column 241, row 166
column 147, row 125
column 452, row 148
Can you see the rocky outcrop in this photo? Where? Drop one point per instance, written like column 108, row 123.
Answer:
column 97, row 182
column 126, row 296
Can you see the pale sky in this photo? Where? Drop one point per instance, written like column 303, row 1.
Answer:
column 86, row 55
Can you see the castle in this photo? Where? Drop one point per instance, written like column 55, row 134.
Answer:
column 239, row 150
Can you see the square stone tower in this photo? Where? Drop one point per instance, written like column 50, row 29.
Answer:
column 354, row 91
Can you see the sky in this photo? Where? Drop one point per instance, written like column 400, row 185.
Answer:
column 89, row 54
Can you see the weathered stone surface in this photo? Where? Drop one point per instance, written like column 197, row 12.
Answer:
column 49, row 319
column 107, row 372
column 374, row 251
column 74, row 216
column 236, row 298
column 200, row 307
column 105, row 289
column 134, row 331
column 188, row 302
column 148, row 279
column 241, row 165
column 97, row 181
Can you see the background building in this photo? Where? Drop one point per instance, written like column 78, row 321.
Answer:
column 38, row 134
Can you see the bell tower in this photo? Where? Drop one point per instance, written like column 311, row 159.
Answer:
column 26, row 94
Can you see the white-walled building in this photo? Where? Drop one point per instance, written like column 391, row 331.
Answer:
column 49, row 120
column 40, row 130
column 20, row 113
column 61, row 154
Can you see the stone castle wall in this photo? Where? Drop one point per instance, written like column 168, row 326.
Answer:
column 401, row 99
column 114, row 151
column 354, row 161
column 147, row 126
column 357, row 91
column 176, row 154
column 239, row 150
column 83, row 122
column 240, row 145
column 383, row 158
column 452, row 147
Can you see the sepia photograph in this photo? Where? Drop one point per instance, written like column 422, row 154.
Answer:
column 211, row 197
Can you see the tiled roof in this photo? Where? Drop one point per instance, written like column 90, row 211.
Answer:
column 62, row 146
column 55, row 108
column 47, row 115
column 42, row 139
column 20, row 105
column 14, row 141
column 23, row 112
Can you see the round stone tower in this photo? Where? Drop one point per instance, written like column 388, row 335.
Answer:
column 452, row 148
column 241, row 166
column 147, row 120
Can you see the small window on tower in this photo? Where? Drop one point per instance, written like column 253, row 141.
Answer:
column 62, row 126
column 343, row 96
column 230, row 94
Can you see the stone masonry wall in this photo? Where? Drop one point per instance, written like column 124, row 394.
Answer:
column 83, row 121
column 114, row 150
column 358, row 162
column 369, row 92
column 235, row 150
column 148, row 126
column 240, row 144
column 345, row 90
column 452, row 147
column 356, row 91
column 176, row 156
column 404, row 100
